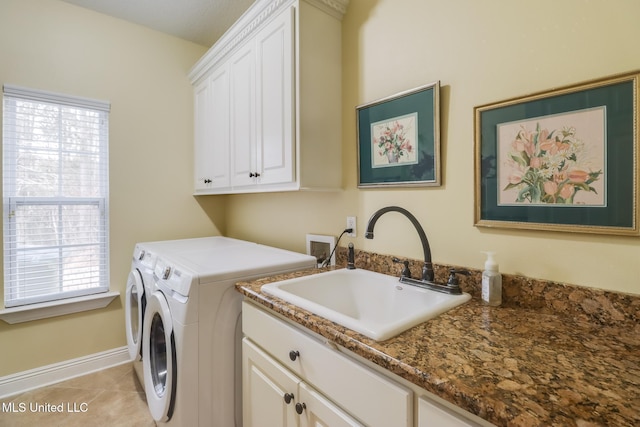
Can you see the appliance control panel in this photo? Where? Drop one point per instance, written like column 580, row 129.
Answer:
column 143, row 257
column 173, row 277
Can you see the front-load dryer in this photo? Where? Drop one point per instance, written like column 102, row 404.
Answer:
column 192, row 331
column 138, row 288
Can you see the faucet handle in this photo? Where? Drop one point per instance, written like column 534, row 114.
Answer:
column 453, row 279
column 405, row 271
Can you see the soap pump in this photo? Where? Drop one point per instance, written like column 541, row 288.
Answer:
column 491, row 282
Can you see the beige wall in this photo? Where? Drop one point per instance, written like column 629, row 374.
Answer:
column 481, row 52
column 51, row 45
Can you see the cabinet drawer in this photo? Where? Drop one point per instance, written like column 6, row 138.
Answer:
column 365, row 394
column 433, row 415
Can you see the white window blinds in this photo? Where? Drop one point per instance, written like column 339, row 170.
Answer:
column 55, row 196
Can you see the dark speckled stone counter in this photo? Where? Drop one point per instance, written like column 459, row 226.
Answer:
column 551, row 355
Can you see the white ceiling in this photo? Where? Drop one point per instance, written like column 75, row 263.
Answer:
column 201, row 21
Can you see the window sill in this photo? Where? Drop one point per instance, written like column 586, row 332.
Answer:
column 45, row 310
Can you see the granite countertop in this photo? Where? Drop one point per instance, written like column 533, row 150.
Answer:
column 512, row 366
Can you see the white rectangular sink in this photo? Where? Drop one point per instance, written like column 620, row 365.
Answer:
column 373, row 304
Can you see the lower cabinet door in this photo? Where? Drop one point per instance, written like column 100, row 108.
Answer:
column 432, row 415
column 269, row 390
column 317, row 411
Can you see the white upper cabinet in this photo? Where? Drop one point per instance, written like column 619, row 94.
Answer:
column 277, row 124
column 212, row 129
column 242, row 109
column 203, row 132
column 275, row 112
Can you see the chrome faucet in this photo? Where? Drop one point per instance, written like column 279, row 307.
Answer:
column 451, row 287
column 427, row 268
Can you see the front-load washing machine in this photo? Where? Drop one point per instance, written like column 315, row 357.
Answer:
column 140, row 280
column 139, row 283
column 192, row 331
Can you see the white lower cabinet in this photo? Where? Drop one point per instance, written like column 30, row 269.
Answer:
column 329, row 388
column 268, row 390
column 319, row 411
column 292, row 377
column 273, row 397
column 433, row 415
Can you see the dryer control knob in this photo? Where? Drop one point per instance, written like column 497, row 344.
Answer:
column 167, row 273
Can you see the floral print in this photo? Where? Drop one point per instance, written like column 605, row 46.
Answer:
column 393, row 142
column 546, row 168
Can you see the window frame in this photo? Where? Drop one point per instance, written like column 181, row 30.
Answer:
column 11, row 202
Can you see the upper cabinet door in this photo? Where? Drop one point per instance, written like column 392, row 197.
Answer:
column 211, row 149
column 275, row 94
column 219, row 119
column 203, row 168
column 242, row 110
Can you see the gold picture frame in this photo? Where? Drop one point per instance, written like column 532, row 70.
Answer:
column 560, row 160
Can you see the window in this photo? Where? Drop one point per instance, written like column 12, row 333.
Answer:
column 55, row 196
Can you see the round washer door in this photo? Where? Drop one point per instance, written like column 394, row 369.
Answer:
column 134, row 313
column 158, row 355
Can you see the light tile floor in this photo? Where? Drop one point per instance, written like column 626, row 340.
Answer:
column 112, row 397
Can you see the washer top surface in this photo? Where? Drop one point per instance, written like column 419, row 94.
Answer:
column 213, row 259
column 174, row 247
column 241, row 261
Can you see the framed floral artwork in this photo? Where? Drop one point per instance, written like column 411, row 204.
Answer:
column 562, row 160
column 399, row 139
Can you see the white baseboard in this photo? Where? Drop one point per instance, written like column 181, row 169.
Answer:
column 62, row 371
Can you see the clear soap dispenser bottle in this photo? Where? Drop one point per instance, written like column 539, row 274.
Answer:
column 491, row 282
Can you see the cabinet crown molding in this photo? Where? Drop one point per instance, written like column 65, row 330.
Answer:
column 248, row 23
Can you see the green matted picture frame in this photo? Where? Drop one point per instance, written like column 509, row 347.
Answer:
column 399, row 139
column 561, row 160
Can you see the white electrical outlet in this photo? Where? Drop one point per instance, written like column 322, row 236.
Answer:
column 351, row 223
